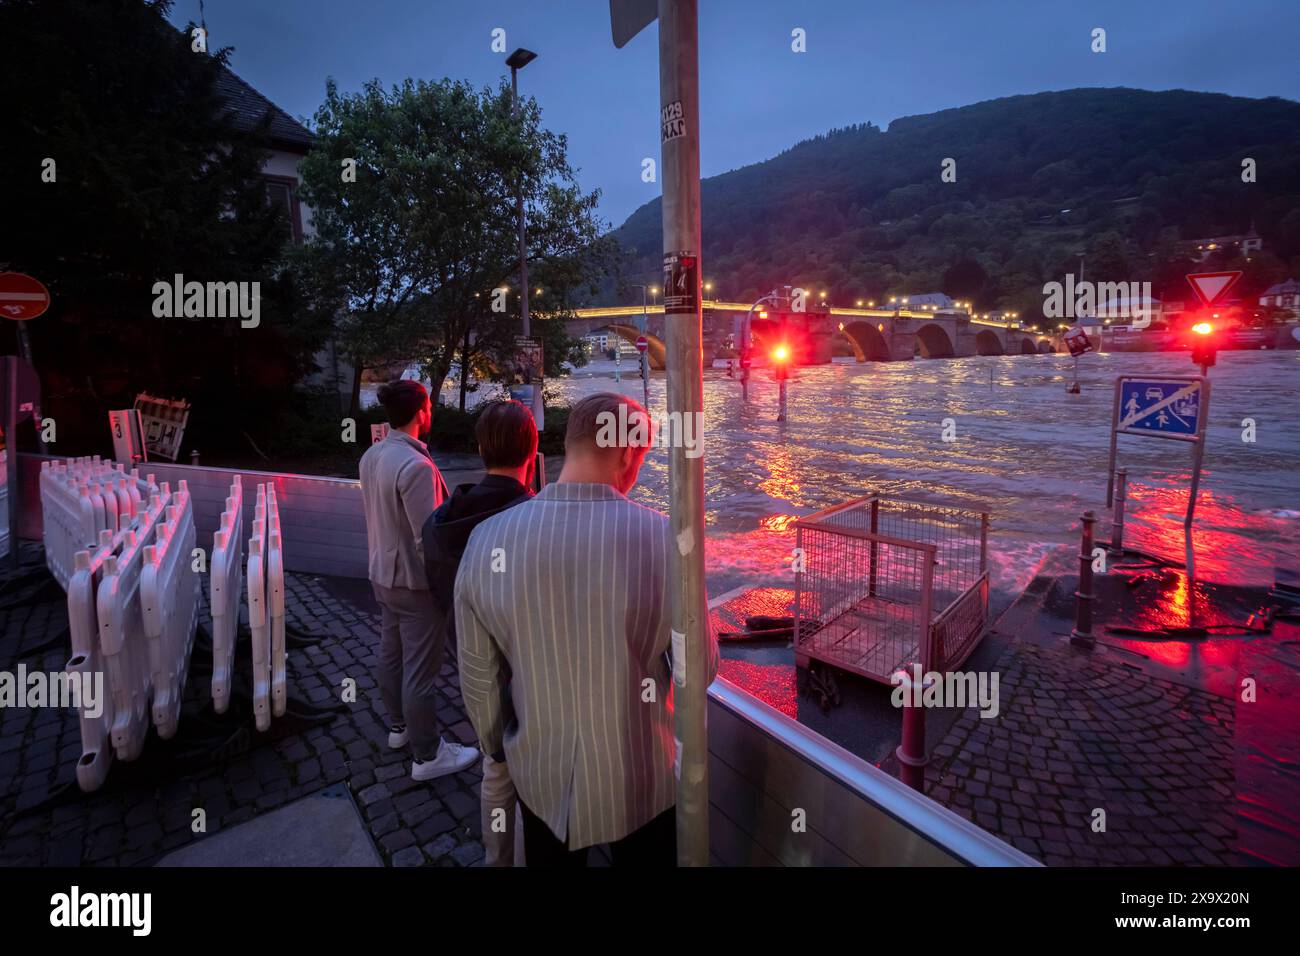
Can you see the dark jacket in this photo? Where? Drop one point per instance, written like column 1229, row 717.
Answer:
column 447, row 530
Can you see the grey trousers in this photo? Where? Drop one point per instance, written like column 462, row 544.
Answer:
column 412, row 638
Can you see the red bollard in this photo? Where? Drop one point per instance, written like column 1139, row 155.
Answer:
column 1082, row 633
column 911, row 754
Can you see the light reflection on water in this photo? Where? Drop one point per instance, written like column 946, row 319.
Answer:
column 1034, row 455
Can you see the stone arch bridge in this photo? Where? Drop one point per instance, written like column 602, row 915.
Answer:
column 873, row 335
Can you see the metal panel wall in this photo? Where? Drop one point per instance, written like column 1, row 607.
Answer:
column 322, row 519
column 763, row 766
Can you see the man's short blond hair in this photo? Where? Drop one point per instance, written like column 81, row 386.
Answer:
column 590, row 417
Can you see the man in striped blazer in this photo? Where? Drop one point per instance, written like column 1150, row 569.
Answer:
column 566, row 597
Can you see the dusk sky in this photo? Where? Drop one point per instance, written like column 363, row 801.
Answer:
column 866, row 60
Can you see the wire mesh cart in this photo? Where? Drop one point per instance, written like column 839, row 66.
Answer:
column 885, row 581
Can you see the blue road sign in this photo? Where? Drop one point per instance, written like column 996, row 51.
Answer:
column 1167, row 408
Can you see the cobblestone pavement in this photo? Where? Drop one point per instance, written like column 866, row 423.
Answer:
column 1075, row 733
column 146, row 808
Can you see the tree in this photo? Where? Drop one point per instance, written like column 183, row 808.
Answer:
column 414, row 245
column 123, row 170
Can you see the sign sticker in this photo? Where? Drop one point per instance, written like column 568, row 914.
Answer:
column 672, row 120
column 681, row 283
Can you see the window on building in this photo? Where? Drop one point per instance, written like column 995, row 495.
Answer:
column 282, row 191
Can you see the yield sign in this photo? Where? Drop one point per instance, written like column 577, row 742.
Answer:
column 1212, row 286
column 21, row 296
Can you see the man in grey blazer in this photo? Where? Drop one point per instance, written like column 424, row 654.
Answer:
column 566, row 596
column 400, row 487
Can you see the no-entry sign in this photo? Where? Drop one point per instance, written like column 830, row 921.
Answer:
column 641, row 343
column 22, row 297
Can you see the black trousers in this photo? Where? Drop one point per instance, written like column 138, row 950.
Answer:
column 652, row 845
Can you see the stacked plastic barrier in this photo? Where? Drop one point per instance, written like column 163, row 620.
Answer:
column 81, row 497
column 226, row 586
column 259, row 616
column 83, row 626
column 275, row 603
column 124, row 652
column 266, row 609
column 169, row 594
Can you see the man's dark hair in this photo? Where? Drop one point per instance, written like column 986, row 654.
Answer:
column 402, row 399
column 506, row 433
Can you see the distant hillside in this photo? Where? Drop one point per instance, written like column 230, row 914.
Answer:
column 1117, row 173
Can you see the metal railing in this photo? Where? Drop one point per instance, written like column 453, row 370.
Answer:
column 882, row 582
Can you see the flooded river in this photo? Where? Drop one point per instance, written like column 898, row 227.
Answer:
column 1032, row 454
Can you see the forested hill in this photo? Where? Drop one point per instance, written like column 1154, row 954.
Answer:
column 1119, row 174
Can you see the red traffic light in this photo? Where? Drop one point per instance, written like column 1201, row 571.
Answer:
column 781, row 354
column 1203, row 346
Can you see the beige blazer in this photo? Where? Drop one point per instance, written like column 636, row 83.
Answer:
column 401, row 486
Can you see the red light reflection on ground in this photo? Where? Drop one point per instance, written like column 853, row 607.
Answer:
column 1231, row 545
column 773, row 684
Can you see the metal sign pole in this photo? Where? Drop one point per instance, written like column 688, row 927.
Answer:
column 1197, row 457
column 11, row 456
column 683, row 318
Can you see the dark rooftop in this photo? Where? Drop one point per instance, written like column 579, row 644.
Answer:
column 247, row 107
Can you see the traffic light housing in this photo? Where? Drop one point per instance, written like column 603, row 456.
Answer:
column 781, row 361
column 1203, row 344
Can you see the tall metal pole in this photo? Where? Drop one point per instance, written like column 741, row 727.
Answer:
column 538, row 412
column 679, row 97
column 519, row 213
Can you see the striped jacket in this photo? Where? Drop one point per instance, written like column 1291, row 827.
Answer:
column 566, row 598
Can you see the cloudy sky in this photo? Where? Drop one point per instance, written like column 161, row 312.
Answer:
column 865, row 60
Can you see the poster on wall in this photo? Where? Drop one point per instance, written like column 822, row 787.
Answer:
column 163, row 421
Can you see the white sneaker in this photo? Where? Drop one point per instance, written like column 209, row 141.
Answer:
column 396, row 737
column 452, row 758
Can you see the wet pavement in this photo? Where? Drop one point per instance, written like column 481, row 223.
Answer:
column 1144, row 750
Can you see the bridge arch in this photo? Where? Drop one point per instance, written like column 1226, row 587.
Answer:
column 1027, row 347
column 656, row 351
column 934, row 342
column 987, row 342
column 1045, row 346
column 868, row 343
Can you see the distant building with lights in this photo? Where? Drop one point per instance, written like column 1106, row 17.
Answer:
column 1201, row 249
column 936, row 299
column 1284, row 295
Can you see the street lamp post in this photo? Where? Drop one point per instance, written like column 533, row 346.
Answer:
column 645, row 359
column 745, row 357
column 517, row 61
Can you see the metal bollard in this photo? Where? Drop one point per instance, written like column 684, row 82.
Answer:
column 911, row 754
column 1117, row 516
column 194, row 457
column 1082, row 633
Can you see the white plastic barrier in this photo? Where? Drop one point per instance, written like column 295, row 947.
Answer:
column 169, row 594
column 259, row 616
column 83, row 626
column 275, row 603
column 79, row 498
column 128, row 678
column 226, row 586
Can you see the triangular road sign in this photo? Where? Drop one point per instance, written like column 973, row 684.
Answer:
column 1211, row 287
column 627, row 18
